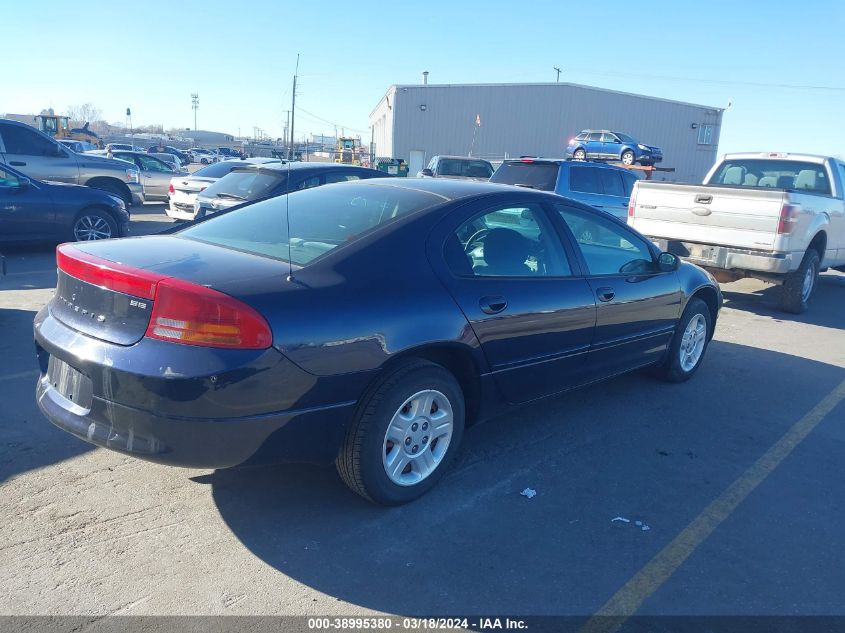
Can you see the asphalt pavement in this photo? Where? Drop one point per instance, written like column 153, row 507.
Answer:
column 719, row 496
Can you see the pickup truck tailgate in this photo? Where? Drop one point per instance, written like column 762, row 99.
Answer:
column 731, row 216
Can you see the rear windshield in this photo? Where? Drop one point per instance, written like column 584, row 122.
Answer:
column 541, row 176
column 217, row 170
column 321, row 219
column 246, row 184
column 780, row 174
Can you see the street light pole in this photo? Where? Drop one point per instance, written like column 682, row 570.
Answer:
column 557, row 70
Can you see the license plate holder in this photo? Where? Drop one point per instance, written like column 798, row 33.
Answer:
column 70, row 383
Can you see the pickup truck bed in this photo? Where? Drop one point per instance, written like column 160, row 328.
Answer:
column 740, row 224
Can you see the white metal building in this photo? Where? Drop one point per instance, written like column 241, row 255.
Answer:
column 495, row 121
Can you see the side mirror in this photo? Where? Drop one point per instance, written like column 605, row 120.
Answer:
column 667, row 262
column 427, row 173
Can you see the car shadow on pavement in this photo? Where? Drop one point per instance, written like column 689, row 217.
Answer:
column 631, row 447
column 27, row 440
column 826, row 310
column 29, row 267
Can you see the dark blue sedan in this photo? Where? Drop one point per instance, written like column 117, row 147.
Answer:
column 608, row 145
column 367, row 327
column 34, row 210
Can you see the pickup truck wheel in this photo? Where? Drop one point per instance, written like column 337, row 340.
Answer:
column 580, row 154
column 689, row 343
column 627, row 157
column 799, row 286
column 405, row 432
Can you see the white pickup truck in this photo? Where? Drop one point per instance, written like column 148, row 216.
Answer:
column 773, row 216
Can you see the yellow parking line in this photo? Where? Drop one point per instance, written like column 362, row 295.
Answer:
column 645, row 582
column 20, row 374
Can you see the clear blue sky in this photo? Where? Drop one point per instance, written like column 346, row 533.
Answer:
column 151, row 55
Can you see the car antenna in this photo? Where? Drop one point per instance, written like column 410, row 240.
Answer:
column 287, row 219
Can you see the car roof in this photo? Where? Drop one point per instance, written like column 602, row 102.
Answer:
column 565, row 161
column 448, row 188
column 279, row 165
column 461, row 157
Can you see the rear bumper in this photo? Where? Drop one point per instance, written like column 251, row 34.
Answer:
column 188, row 442
column 189, row 406
column 728, row 258
column 177, row 213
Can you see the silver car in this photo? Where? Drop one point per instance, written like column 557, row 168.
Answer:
column 172, row 161
column 155, row 173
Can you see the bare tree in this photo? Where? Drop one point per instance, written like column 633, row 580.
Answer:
column 81, row 114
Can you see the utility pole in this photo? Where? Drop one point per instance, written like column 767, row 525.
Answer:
column 293, row 108
column 557, row 70
column 195, row 104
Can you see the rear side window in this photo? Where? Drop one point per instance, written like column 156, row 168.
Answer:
column 542, row 176
column 585, row 179
column 611, row 182
column 321, row 219
column 595, row 136
column 775, row 173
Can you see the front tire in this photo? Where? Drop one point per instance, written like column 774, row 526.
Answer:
column 686, row 351
column 405, row 432
column 799, row 286
column 93, row 224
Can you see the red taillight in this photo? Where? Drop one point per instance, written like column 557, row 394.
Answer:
column 107, row 274
column 191, row 314
column 788, row 218
column 632, row 203
column 183, row 312
column 170, row 189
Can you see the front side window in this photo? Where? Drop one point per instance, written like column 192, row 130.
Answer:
column 512, row 241
column 149, row 163
column 607, row 247
column 608, row 138
column 449, row 167
column 585, row 179
column 27, row 142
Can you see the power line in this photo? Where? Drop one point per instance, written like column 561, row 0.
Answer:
column 321, row 119
column 727, row 82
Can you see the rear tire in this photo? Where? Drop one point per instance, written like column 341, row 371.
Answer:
column 414, row 404
column 800, row 286
column 689, row 343
column 580, row 154
column 93, row 224
column 627, row 157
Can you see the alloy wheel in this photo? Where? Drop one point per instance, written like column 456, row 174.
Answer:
column 91, row 227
